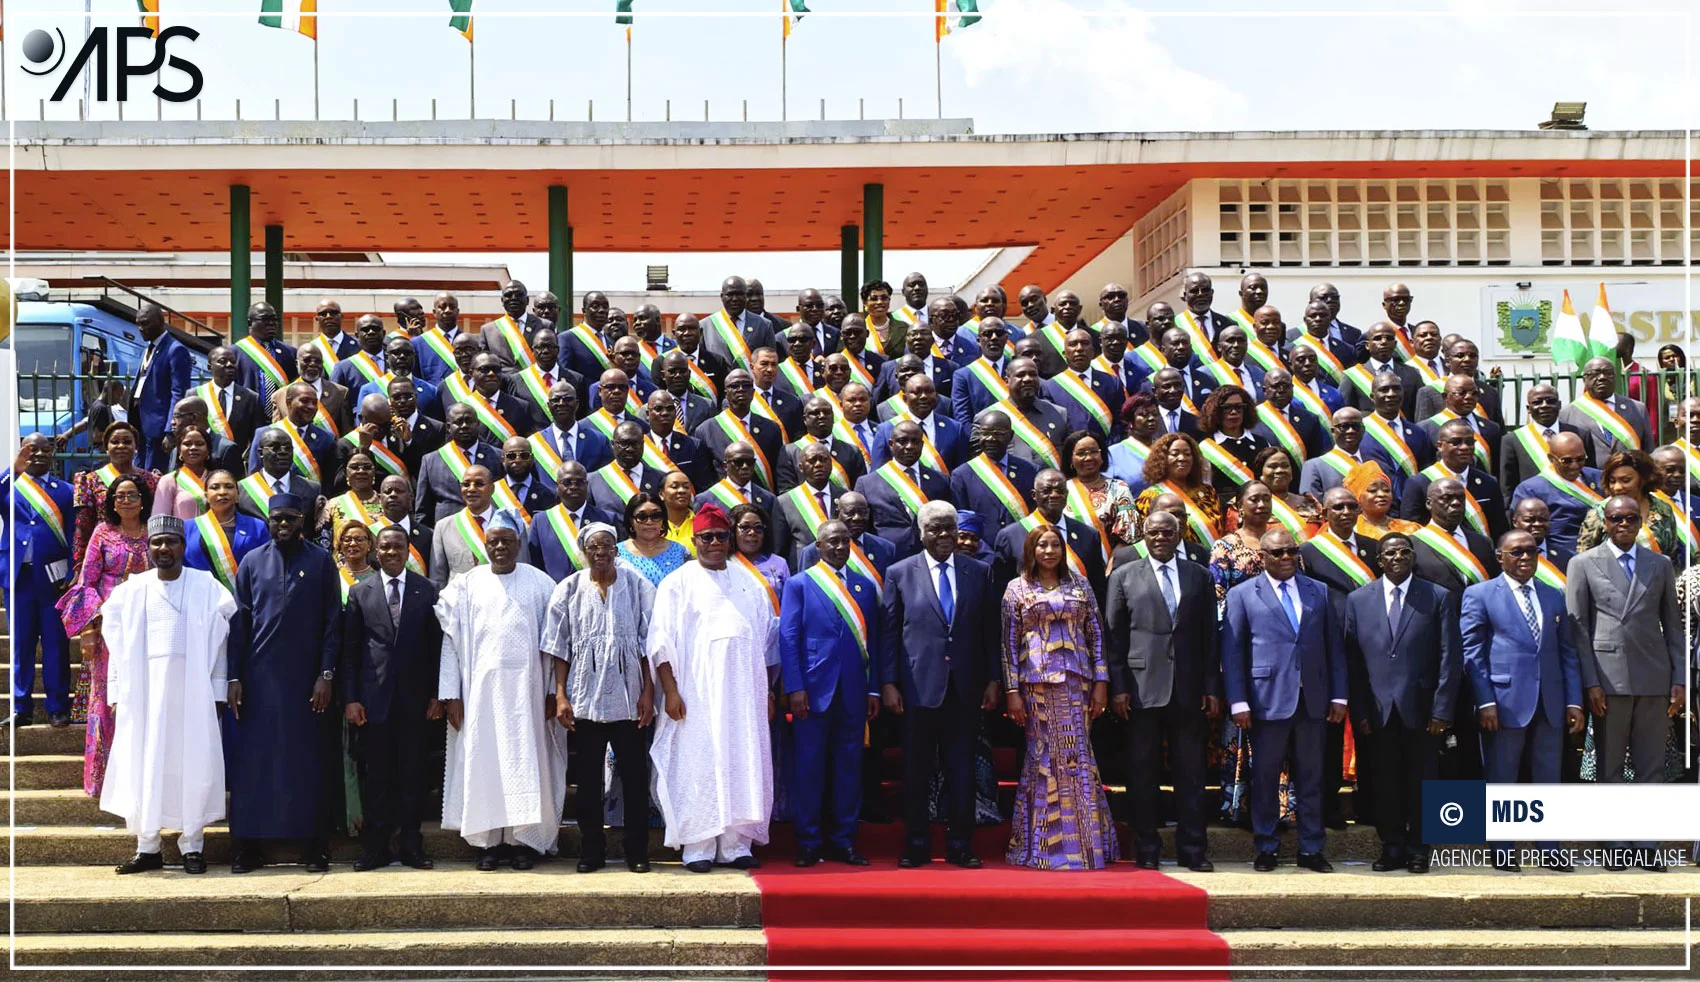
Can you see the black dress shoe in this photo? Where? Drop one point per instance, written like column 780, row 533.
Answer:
column 246, row 859
column 637, row 865
column 807, row 858
column 915, row 859
column 24, row 719
column 590, row 864
column 1508, row 866
column 1201, row 866
column 1653, row 866
column 1264, row 862
column 1147, row 862
column 371, row 861
column 849, row 857
column 1557, row 867
column 141, row 862
column 745, row 862
column 699, row 866
column 525, row 857
column 1615, row 867
column 317, row 862
column 59, row 720
column 488, row 860
column 1418, row 864
column 194, row 863
column 415, row 859
column 964, row 859
column 1390, row 859
column 1315, row 862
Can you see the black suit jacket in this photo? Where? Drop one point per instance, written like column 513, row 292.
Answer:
column 847, row 456
column 390, row 667
column 1417, row 670
column 423, row 439
column 1481, row 485
column 1516, row 466
column 540, row 414
column 1189, row 550
column 763, row 430
column 690, row 456
column 1432, row 567
column 1408, row 379
column 1317, row 567
column 714, row 367
column 789, row 409
column 246, row 414
column 539, row 494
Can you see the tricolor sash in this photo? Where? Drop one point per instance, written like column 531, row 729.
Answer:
column 728, row 494
column 618, row 481
column 1693, row 461
column 795, row 377
column 532, row 378
column 518, row 346
column 603, row 422
column 930, row 456
column 999, row 484
column 322, row 419
column 1455, row 555
column 1548, row 572
column 305, row 462
column 1052, row 334
column 1202, row 528
column 1282, row 429
column 1392, row 442
column 1429, row 376
column 487, row 414
column 1135, row 447
column 190, row 484
column 1312, row 403
column 259, row 493
column 599, row 350
column 1036, row 520
column 859, row 371
column 987, row 376
column 455, row 459
column 1261, row 353
column 1608, row 420
column 1473, row 511
column 503, row 495
column 1087, row 399
column 366, row 365
column 466, row 526
column 1222, row 372
column 839, row 475
column 833, row 586
column 1290, row 519
column 701, row 382
column 907, row 315
column 438, row 342
column 907, row 490
column 220, row 556
column 326, row 349
column 1534, row 444
column 108, row 474
column 1482, row 454
column 860, row 562
column 1575, row 489
column 46, row 508
column 1342, row 557
column 415, row 561
column 1362, row 379
column 347, row 579
column 760, row 406
column 1029, row 434
column 655, row 457
column 264, row 360
column 561, row 523
column 1201, row 346
column 737, row 432
column 1684, row 525
column 802, row 498
column 1225, row 463
column 386, row 459
column 541, row 450
column 1079, row 507
column 1243, row 319
column 720, row 322
column 1153, row 358
column 351, row 505
column 744, row 562
column 1341, row 461
column 216, row 416
column 1325, row 359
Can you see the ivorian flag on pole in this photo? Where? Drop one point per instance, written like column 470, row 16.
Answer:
column 150, row 15
column 1602, row 331
column 794, row 11
column 462, row 20
column 623, row 15
column 1569, row 344
column 290, row 15
column 969, row 11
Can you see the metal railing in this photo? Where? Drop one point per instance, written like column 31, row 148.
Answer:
column 54, row 402
column 1658, row 392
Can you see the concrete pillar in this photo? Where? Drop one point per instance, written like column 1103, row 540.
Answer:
column 241, row 246
column 873, row 233
column 274, row 267
column 849, row 278
column 561, row 252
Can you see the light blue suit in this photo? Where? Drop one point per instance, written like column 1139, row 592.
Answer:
column 1530, row 683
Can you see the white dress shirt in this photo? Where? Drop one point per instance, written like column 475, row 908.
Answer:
column 1516, row 589
column 1389, row 588
column 1299, row 615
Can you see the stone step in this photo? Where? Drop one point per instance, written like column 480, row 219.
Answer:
column 56, row 806
column 1472, row 954
column 40, row 739
column 48, row 771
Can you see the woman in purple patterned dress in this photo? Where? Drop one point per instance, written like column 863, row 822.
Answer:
column 117, row 547
column 1056, row 682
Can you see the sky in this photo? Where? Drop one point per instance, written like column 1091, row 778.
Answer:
column 1031, row 66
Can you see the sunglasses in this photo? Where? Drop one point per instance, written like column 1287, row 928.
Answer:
column 713, row 536
column 1282, row 552
column 1630, row 519
column 1523, row 552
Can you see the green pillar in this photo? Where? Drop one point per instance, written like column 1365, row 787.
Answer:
column 241, row 246
column 849, row 279
column 561, row 252
column 274, row 267
column 873, row 233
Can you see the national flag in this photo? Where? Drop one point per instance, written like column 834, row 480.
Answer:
column 970, row 11
column 462, row 20
column 941, row 23
column 794, row 11
column 1569, row 344
column 623, row 15
column 150, row 15
column 1602, row 331
column 291, row 15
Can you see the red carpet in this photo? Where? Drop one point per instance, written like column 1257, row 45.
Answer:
column 832, row 915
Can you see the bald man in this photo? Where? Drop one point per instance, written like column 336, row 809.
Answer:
column 434, row 347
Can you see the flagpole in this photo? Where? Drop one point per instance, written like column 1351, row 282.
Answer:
column 784, row 78
column 628, row 73
column 938, row 74
column 315, row 69
column 471, row 78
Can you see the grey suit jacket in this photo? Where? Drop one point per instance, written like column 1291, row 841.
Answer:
column 1629, row 636
column 1153, row 658
column 450, row 555
column 1605, row 444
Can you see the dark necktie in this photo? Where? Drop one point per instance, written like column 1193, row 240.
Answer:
column 1393, row 609
column 947, row 599
column 224, row 402
column 548, row 380
column 395, row 601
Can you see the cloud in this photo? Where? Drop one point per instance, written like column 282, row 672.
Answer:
column 1045, row 66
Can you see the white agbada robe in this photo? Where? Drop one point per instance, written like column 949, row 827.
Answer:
column 506, row 770
column 714, row 768
column 166, row 767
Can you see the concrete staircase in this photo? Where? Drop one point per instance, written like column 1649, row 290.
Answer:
column 74, row 914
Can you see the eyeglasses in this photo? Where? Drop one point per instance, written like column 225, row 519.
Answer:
column 517, row 455
column 482, row 369
column 1630, row 519
column 1544, row 401
column 1281, row 552
column 716, row 536
column 127, row 496
column 752, row 528
column 742, row 461
column 1578, row 459
column 647, row 516
column 1523, row 552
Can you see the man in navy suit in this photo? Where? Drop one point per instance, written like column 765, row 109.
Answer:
column 1381, row 354
column 1306, row 366
column 1324, row 329
column 685, row 451
column 971, row 390
column 1531, row 516
column 389, row 683
column 894, row 514
column 976, row 486
column 1566, row 489
column 1278, row 401
column 675, row 375
column 764, row 372
column 918, row 343
column 37, row 552
column 163, row 379
column 1456, row 447
column 439, row 484
column 1050, row 497
column 302, row 405
column 278, row 473
column 1284, row 671
column 829, row 639
column 552, row 543
column 800, row 511
column 819, row 418
column 1231, row 342
column 939, row 670
column 922, row 399
column 1169, row 386
column 1403, row 668
column 570, row 437
column 1388, row 418
column 852, row 509
column 614, row 484
column 1074, row 387
column 263, row 323
column 717, row 433
column 533, row 490
column 1525, row 677
column 1197, row 293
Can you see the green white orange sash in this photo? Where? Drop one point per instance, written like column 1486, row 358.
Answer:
column 466, row 526
column 907, row 490
column 743, row 562
column 1028, row 434
column 1455, row 555
column 1693, row 461
column 1223, row 372
column 1202, row 528
column 1608, row 420
column 561, row 523
column 517, row 345
column 728, row 494
column 264, row 361
column 487, row 414
column 737, row 432
column 833, row 586
column 1087, row 399
column 455, row 459
column 347, row 581
column 839, row 475
column 618, row 481
column 1684, row 524
column 1534, row 444
column 1575, row 489
column 803, row 499
column 438, row 342
column 702, row 383
column 1548, row 572
column 532, row 378
column 1079, row 507
column 1261, row 353
column 858, row 370
column 108, row 474
column 598, row 350
column 1392, row 442
column 1153, row 358
column 1201, row 346
column 216, row 544
column 720, row 322
column 999, row 484
column 541, row 450
column 1053, row 335
column 1430, row 377
column 1036, row 520
column 216, row 416
column 1342, row 557
column 930, row 456
column 907, row 315
column 503, row 495
column 1482, row 456
column 322, row 419
column 327, row 350
column 1403, row 338
column 259, row 493
column 304, row 459
column 1325, row 359
column 603, row 422
column 895, row 405
column 1277, row 423
column 647, row 353
column 1312, row 403
column 1341, row 461
column 860, row 562
column 45, row 507
column 366, row 365
column 795, row 377
column 1473, row 511
column 1225, row 463
column 760, row 406
column 1361, row 378
column 351, row 505
column 1291, row 520
column 415, row 561
column 1114, row 370
column 191, row 485
column 655, row 457
column 841, row 428
column 387, row 459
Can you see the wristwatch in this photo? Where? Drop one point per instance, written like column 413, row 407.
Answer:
column 327, row 674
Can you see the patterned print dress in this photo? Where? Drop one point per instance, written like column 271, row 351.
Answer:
column 1053, row 655
column 111, row 556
